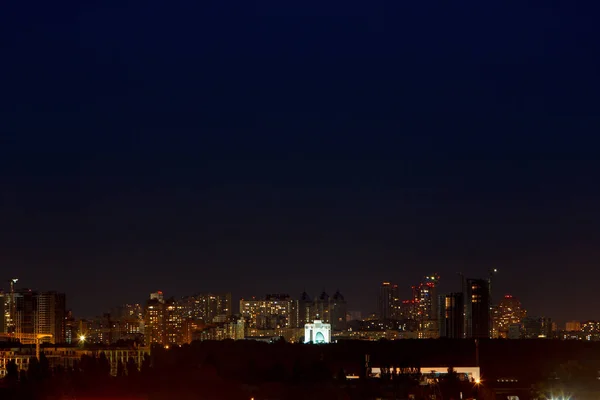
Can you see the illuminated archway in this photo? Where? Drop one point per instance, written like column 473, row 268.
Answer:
column 319, row 338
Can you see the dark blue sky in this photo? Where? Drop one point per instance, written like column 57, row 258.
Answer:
column 274, row 146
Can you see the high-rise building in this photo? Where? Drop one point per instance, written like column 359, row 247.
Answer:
column 322, row 307
column 274, row 311
column 129, row 321
column 174, row 328
column 154, row 321
column 339, row 310
column 508, row 312
column 426, row 299
column 388, row 301
column 23, row 311
column 478, row 309
column 4, row 312
column 409, row 310
column 50, row 315
column 304, row 310
column 451, row 319
column 207, row 307
column 71, row 331
column 590, row 330
column 573, row 326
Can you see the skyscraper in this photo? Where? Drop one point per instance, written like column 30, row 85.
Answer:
column 275, row 311
column 173, row 322
column 154, row 320
column 508, row 311
column 478, row 309
column 338, row 312
column 425, row 296
column 388, row 301
column 207, row 307
column 451, row 319
column 303, row 310
column 23, row 311
column 4, row 311
column 50, row 315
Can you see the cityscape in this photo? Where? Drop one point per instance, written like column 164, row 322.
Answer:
column 279, row 200
column 469, row 313
column 38, row 325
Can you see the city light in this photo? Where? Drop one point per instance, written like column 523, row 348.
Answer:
column 82, row 338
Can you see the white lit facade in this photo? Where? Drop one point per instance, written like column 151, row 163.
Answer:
column 317, row 333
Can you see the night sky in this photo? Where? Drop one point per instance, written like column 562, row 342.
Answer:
column 274, row 146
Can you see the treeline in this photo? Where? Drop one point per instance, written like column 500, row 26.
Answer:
column 244, row 369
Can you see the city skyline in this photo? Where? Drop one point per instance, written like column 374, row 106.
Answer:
column 404, row 293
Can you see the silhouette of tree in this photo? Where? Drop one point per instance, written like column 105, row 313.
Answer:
column 120, row 370
column 23, row 380
column 89, row 366
column 12, row 373
column 341, row 375
column 132, row 369
column 297, row 371
column 103, row 366
column 34, row 371
column 146, row 369
column 44, row 366
column 276, row 373
column 451, row 383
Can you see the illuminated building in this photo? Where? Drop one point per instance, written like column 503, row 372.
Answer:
column 130, row 318
column 28, row 312
column 272, row 312
column 506, row 313
column 71, row 332
column 388, row 301
column 164, row 321
column 232, row 329
column 50, row 315
column 207, row 307
column 173, row 323
column 452, row 316
column 101, row 330
column 317, row 333
column 154, row 320
column 331, row 310
column 304, row 309
column 322, row 308
column 4, row 312
column 590, row 330
column 23, row 310
column 573, row 326
column 478, row 309
column 409, row 309
column 426, row 299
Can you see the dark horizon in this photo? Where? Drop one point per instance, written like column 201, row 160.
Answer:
column 272, row 147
